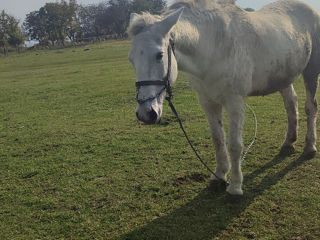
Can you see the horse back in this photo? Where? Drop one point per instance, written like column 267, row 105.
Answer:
column 285, row 38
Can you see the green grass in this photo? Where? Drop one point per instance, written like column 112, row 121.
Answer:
column 75, row 163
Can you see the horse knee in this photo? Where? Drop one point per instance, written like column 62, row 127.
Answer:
column 311, row 107
column 235, row 148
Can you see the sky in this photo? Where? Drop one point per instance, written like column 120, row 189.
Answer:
column 19, row 8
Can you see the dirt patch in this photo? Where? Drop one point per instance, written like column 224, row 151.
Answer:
column 191, row 177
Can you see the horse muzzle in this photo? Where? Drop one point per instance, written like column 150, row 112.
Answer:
column 148, row 115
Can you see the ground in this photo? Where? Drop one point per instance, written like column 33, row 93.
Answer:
column 76, row 164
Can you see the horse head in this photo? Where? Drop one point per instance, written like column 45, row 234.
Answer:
column 152, row 56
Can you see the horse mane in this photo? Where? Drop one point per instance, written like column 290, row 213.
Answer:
column 146, row 19
column 201, row 4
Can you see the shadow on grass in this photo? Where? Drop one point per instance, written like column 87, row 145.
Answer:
column 210, row 212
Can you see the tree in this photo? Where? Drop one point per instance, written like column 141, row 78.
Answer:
column 74, row 31
column 60, row 18
column 52, row 22
column 90, row 20
column 35, row 25
column 4, row 31
column 115, row 18
column 10, row 32
column 57, row 20
column 16, row 38
column 152, row 6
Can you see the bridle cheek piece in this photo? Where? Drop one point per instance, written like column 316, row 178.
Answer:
column 165, row 82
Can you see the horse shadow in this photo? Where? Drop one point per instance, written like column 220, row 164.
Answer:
column 210, row 212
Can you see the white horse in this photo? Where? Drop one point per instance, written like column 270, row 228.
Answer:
column 230, row 54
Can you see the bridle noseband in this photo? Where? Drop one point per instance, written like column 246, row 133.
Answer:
column 165, row 82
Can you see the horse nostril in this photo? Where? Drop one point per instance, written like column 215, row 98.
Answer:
column 153, row 116
column 149, row 117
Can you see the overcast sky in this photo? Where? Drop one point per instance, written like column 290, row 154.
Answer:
column 19, row 8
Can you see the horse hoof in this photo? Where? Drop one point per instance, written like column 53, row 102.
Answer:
column 218, row 185
column 287, row 150
column 309, row 153
column 235, row 191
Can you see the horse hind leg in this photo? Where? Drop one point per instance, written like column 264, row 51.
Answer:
column 290, row 100
column 310, row 76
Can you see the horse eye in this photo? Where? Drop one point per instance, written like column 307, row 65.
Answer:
column 159, row 56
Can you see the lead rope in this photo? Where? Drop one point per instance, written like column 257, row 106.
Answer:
column 171, row 48
column 195, row 151
column 189, row 141
column 244, row 155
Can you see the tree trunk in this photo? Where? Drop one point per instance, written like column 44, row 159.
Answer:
column 5, row 51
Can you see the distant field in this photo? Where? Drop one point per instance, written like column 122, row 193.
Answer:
column 75, row 163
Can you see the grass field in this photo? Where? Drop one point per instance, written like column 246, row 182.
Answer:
column 75, row 163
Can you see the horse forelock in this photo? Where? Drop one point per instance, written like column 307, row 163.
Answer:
column 141, row 23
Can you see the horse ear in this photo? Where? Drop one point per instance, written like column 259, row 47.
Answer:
column 133, row 17
column 166, row 24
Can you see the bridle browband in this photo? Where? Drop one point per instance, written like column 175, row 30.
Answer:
column 165, row 82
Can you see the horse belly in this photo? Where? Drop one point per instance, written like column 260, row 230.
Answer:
column 273, row 75
column 271, row 85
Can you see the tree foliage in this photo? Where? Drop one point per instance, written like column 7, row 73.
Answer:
column 152, row 6
column 54, row 22
column 114, row 17
column 10, row 32
column 90, row 20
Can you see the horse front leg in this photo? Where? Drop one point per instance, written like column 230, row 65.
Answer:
column 214, row 113
column 235, row 109
column 290, row 100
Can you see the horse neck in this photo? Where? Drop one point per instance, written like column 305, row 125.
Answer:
column 197, row 44
column 186, row 39
column 185, row 35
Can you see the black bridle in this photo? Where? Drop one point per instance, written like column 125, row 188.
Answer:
column 165, row 82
